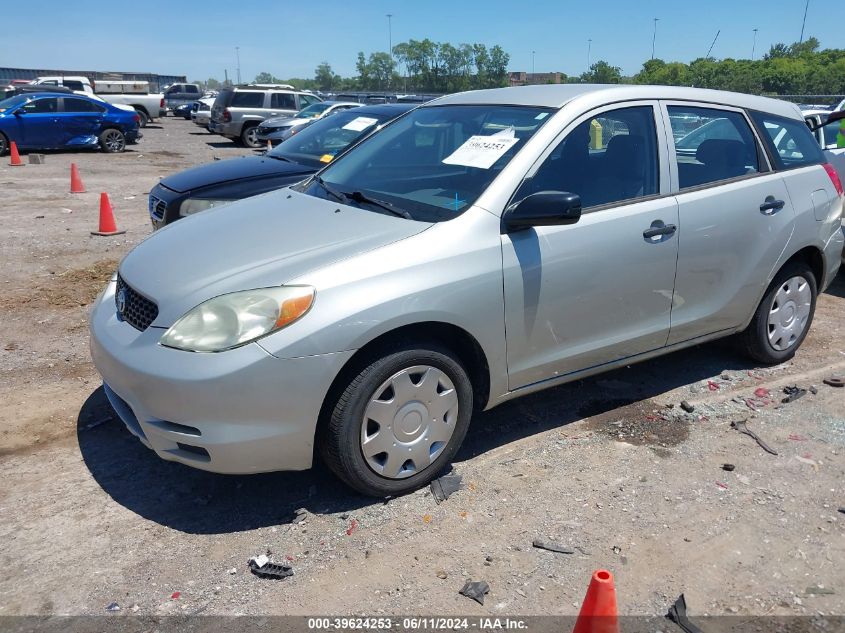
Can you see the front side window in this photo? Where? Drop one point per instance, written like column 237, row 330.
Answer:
column 313, row 111
column 283, row 101
column 308, row 100
column 247, row 100
column 431, row 164
column 606, row 159
column 715, row 145
column 42, row 106
column 80, row 105
column 790, row 141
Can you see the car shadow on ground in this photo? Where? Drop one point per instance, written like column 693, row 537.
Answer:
column 837, row 288
column 223, row 145
column 195, row 501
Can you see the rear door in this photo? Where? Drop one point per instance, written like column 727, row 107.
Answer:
column 39, row 125
column 283, row 104
column 599, row 290
column 80, row 118
column 735, row 217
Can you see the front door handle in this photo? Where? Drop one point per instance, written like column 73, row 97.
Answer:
column 654, row 231
column 771, row 206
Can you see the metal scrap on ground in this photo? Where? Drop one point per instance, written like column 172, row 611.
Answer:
column 444, row 486
column 552, row 547
column 740, row 426
column 475, row 590
column 678, row 615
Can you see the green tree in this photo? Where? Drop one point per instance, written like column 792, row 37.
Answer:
column 325, row 78
column 602, row 73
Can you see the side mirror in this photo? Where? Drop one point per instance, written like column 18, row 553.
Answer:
column 20, row 111
column 544, row 208
column 833, row 116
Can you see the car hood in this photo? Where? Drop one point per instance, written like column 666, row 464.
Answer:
column 258, row 242
column 285, row 121
column 223, row 171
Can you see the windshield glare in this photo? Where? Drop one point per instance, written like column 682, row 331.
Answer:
column 314, row 110
column 317, row 144
column 436, row 161
column 12, row 102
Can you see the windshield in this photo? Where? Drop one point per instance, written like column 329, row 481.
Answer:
column 433, row 163
column 313, row 111
column 12, row 102
column 321, row 141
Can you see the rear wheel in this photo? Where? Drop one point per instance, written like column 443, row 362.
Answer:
column 112, row 140
column 399, row 421
column 249, row 136
column 144, row 119
column 784, row 316
column 4, row 144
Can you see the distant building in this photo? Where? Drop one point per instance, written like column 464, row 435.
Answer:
column 157, row 82
column 527, row 79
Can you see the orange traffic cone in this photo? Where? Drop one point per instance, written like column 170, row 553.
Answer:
column 15, row 160
column 76, row 185
column 598, row 613
column 269, row 145
column 107, row 223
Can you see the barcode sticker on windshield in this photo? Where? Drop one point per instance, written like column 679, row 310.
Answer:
column 360, row 124
column 482, row 151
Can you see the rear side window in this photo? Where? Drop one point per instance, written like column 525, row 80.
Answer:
column 192, row 89
column 283, row 101
column 831, row 132
column 73, row 85
column 790, row 141
column 80, row 105
column 247, row 100
column 611, row 158
column 712, row 145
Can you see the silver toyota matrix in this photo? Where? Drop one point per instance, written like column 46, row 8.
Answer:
column 484, row 246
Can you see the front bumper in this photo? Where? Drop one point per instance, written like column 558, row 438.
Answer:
column 240, row 411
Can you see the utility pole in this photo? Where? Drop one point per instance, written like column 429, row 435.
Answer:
column 804, row 21
column 532, row 61
column 589, row 46
column 390, row 33
column 754, row 46
column 654, row 37
column 238, row 57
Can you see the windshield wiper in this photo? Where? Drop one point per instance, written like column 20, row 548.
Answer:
column 337, row 195
column 279, row 157
column 358, row 196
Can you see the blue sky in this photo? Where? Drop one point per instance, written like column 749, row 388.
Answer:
column 289, row 39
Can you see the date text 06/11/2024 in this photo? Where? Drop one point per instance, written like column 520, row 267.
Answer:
column 417, row 623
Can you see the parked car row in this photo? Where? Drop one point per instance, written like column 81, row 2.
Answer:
column 443, row 261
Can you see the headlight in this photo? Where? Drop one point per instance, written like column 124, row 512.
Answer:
column 195, row 205
column 238, row 318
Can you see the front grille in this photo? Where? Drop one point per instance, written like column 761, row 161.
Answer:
column 137, row 311
column 264, row 130
column 157, row 208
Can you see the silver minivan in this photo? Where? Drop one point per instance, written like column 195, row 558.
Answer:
column 483, row 246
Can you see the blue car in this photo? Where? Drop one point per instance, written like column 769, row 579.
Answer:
column 58, row 121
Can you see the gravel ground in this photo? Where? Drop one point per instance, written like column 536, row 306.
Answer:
column 610, row 467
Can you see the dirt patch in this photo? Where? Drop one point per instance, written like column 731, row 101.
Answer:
column 72, row 288
column 636, row 422
column 167, row 153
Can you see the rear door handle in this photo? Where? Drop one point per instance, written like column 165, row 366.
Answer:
column 654, row 231
column 771, row 206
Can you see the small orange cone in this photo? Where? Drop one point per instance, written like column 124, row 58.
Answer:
column 598, row 612
column 76, row 185
column 269, row 145
column 15, row 160
column 107, row 223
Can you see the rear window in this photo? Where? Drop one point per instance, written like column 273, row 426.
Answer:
column 789, row 141
column 73, row 85
column 247, row 100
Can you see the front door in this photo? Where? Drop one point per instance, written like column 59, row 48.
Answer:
column 39, row 125
column 599, row 290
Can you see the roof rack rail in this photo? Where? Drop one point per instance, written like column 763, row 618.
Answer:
column 267, row 86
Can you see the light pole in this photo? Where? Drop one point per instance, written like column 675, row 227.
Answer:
column 238, row 57
column 390, row 33
column 804, row 21
column 654, row 37
column 589, row 47
column 532, row 61
column 754, row 46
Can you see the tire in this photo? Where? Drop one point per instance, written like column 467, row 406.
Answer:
column 351, row 438
column 112, row 140
column 4, row 145
column 249, row 136
column 783, row 318
column 144, row 118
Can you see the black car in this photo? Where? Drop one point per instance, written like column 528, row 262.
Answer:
column 218, row 183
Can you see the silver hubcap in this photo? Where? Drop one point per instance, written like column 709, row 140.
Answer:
column 789, row 313
column 252, row 136
column 409, row 421
column 114, row 141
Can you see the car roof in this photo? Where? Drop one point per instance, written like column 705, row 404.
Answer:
column 332, row 102
column 558, row 95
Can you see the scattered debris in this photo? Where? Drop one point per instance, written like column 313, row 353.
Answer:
column 552, row 547
column 712, row 386
column 352, row 525
column 797, row 438
column 678, row 614
column 721, row 485
column 299, row 515
column 740, row 426
column 793, row 392
column 842, row 509
column 475, row 590
column 819, row 590
column 443, row 487
column 728, row 467
column 175, row 595
column 426, row 518
column 617, row 549
column 233, row 571
column 686, row 406
column 263, row 568
column 814, row 390
column 806, row 460
column 761, row 392
column 113, row 607
column 834, row 381
column 442, row 575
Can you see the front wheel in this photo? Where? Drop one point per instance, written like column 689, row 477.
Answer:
column 399, row 421
column 783, row 318
column 112, row 140
column 4, row 145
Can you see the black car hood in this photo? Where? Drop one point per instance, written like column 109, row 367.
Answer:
column 223, row 171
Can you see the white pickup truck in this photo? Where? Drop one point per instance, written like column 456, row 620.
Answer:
column 124, row 94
